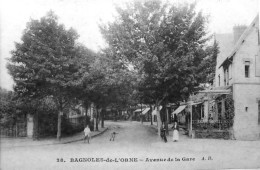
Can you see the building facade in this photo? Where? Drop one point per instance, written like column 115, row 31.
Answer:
column 238, row 69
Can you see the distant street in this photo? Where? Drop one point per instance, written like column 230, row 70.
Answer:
column 141, row 144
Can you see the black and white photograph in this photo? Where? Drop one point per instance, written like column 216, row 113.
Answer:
column 129, row 84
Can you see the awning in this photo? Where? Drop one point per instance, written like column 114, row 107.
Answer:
column 138, row 110
column 154, row 111
column 145, row 111
column 179, row 109
column 196, row 103
column 216, row 91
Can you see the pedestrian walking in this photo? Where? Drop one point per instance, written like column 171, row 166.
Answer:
column 175, row 136
column 163, row 133
column 87, row 134
column 175, row 118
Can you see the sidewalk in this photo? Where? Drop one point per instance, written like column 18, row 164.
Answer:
column 182, row 135
column 200, row 143
column 21, row 142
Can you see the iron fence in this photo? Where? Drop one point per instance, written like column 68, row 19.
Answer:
column 17, row 130
column 212, row 125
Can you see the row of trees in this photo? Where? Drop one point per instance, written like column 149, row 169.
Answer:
column 157, row 53
column 167, row 46
column 50, row 64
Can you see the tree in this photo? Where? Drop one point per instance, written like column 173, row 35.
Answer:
column 8, row 114
column 207, row 67
column 107, row 83
column 86, row 60
column 163, row 42
column 46, row 63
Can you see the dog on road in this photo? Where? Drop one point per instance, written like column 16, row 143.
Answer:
column 113, row 135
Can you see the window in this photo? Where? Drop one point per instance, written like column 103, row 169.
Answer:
column 259, row 112
column 218, row 80
column 247, row 64
column 226, row 77
column 230, row 71
column 202, row 111
column 219, row 105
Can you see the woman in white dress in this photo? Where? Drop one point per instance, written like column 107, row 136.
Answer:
column 175, row 136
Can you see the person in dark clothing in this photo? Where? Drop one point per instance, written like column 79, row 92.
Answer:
column 163, row 133
column 175, row 118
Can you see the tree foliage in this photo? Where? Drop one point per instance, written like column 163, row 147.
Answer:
column 108, row 83
column 7, row 107
column 163, row 42
column 207, row 67
column 46, row 62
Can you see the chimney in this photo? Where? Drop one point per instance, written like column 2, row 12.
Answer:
column 238, row 30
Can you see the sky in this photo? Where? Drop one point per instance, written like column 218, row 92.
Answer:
column 85, row 15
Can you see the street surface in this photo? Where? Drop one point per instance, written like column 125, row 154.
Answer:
column 136, row 146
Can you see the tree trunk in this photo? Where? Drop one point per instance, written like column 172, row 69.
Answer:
column 141, row 114
column 159, row 121
column 97, row 117
column 60, row 113
column 102, row 117
column 86, row 121
column 151, row 114
column 36, row 126
column 167, row 120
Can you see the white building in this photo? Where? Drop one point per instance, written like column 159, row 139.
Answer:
column 238, row 69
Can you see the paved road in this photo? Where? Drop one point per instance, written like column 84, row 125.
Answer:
column 139, row 145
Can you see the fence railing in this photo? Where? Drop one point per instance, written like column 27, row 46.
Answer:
column 20, row 128
column 17, row 130
column 212, row 125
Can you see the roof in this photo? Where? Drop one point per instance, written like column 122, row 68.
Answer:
column 242, row 39
column 196, row 103
column 216, row 91
column 138, row 110
column 226, row 44
column 199, row 97
column 210, row 94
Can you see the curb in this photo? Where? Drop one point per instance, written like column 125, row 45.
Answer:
column 76, row 140
column 57, row 142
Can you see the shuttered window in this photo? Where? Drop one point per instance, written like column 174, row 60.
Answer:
column 259, row 112
column 247, row 64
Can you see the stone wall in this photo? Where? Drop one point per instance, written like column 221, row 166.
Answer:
column 246, row 126
column 246, row 90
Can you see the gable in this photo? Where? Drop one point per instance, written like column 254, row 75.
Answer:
column 254, row 25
